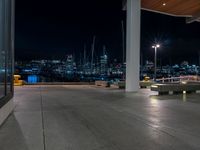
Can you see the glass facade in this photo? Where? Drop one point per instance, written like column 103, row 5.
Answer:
column 6, row 50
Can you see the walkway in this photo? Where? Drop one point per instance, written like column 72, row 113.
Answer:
column 89, row 118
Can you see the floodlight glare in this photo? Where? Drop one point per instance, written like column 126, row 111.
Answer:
column 158, row 45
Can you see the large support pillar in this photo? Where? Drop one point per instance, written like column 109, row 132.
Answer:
column 133, row 45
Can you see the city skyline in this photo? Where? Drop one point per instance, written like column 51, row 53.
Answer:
column 68, row 69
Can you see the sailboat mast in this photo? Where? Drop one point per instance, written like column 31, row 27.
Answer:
column 123, row 42
column 93, row 46
column 84, row 57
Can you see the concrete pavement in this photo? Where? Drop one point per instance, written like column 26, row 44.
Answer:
column 90, row 118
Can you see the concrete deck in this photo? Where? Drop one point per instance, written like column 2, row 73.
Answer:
column 89, row 118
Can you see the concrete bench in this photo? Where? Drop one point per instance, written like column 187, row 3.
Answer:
column 175, row 88
column 102, row 83
column 121, row 85
column 145, row 84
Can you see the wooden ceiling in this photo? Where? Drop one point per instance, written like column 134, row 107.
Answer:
column 187, row 8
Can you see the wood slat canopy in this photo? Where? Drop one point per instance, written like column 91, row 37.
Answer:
column 186, row 8
column 177, row 8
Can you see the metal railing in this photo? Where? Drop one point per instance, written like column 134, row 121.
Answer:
column 179, row 79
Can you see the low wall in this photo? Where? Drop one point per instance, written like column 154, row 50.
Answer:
column 6, row 110
column 61, row 83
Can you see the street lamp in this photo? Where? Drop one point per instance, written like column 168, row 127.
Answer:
column 156, row 46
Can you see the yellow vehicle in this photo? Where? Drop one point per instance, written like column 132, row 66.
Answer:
column 17, row 81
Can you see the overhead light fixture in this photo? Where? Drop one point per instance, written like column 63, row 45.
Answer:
column 164, row 4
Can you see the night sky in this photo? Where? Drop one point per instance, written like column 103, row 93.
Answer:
column 52, row 29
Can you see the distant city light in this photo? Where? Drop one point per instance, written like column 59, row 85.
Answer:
column 69, row 69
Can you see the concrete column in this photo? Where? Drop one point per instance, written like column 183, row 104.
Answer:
column 133, row 45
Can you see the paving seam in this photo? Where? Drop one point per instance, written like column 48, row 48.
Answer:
column 42, row 115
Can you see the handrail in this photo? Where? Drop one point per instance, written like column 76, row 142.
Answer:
column 181, row 78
